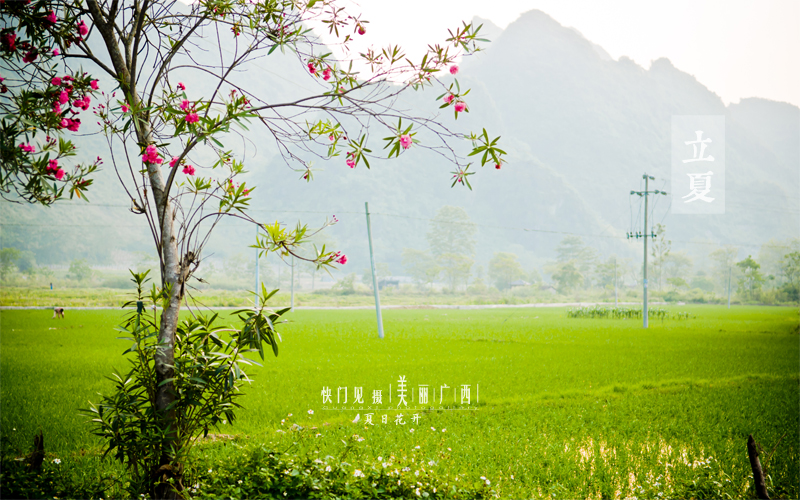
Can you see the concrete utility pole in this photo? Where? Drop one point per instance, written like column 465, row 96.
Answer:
column 374, row 275
column 258, row 288
column 292, row 304
column 615, row 281
column 637, row 235
column 729, row 286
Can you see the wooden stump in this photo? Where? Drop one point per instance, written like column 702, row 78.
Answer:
column 755, row 464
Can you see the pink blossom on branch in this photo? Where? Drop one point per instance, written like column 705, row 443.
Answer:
column 151, row 155
column 52, row 165
column 326, row 75
column 460, row 106
column 60, row 174
column 56, row 81
column 56, row 52
column 181, row 86
column 449, row 98
column 51, row 17
column 94, row 85
column 192, row 118
column 125, row 108
column 188, row 170
column 406, row 141
column 173, row 161
column 83, row 30
column 351, row 163
column 184, row 105
column 454, row 70
column 63, row 97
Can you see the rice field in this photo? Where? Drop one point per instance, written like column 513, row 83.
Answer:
column 559, row 407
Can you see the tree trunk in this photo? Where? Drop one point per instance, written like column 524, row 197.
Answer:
column 174, row 270
column 755, row 464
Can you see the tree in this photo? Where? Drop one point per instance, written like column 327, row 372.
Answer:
column 167, row 141
column 660, row 251
column 572, row 249
column 421, row 266
column 568, row 277
column 724, row 259
column 8, row 261
column 677, row 265
column 751, row 278
column 504, row 268
column 790, row 268
column 79, row 270
column 451, row 238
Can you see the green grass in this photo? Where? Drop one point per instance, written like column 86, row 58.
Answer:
column 568, row 407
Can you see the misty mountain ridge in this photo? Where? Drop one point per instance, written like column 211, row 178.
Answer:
column 580, row 129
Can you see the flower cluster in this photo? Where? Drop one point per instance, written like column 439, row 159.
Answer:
column 151, row 155
column 351, row 159
column 339, row 258
column 28, row 148
column 55, row 170
column 406, row 141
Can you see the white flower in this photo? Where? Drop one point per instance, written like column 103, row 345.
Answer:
column 290, row 414
column 317, row 461
column 488, row 482
column 431, row 463
column 417, row 492
column 209, row 471
column 444, row 430
column 328, row 468
column 380, row 459
column 385, row 465
column 416, row 447
column 360, row 439
column 433, row 428
column 57, row 461
column 483, row 478
column 239, row 481
column 358, row 473
column 416, row 473
column 411, row 430
column 406, row 469
column 310, row 412
column 512, row 476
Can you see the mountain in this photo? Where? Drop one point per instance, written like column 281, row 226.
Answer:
column 580, row 128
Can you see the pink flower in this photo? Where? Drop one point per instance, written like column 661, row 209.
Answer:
column 192, row 118
column 52, row 165
column 67, row 78
column 56, row 52
column 65, row 122
column 311, row 68
column 125, row 108
column 497, row 166
column 326, row 75
column 51, row 17
column 1, row 79
column 460, row 106
column 30, row 56
column 73, row 125
column 330, row 138
column 83, row 30
column 56, row 81
column 361, row 29
column 94, row 85
column 10, row 41
column 181, row 86
column 449, row 98
column 188, row 170
column 28, row 148
column 151, row 155
column 405, row 141
column 351, row 163
column 173, row 161
column 453, row 69
column 60, row 174
column 63, row 97
column 184, row 105
column 342, row 260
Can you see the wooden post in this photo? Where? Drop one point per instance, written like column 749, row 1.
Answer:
column 755, row 464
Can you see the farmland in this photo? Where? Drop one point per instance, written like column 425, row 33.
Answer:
column 568, row 407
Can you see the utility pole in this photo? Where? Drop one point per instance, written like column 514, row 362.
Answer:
column 637, row 235
column 374, row 275
column 615, row 281
column 257, row 280
column 729, row 286
column 292, row 304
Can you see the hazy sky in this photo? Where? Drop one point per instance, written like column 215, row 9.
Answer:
column 736, row 48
